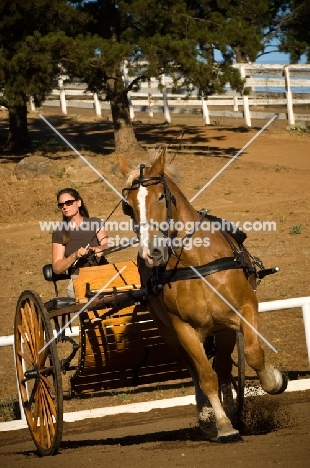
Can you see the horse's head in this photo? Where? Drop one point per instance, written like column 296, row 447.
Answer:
column 147, row 199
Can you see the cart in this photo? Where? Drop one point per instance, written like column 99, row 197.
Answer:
column 118, row 346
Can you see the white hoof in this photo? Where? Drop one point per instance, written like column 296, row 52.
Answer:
column 272, row 380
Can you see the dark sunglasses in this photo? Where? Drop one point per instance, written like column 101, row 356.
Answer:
column 66, row 203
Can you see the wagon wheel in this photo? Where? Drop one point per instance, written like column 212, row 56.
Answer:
column 38, row 373
column 239, row 382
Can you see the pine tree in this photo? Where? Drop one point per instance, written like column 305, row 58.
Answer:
column 34, row 36
column 174, row 37
column 243, row 30
column 153, row 37
column 295, row 37
column 92, row 40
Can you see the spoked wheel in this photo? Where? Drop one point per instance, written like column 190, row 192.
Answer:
column 239, row 381
column 38, row 373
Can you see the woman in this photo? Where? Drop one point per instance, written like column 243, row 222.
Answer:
column 80, row 240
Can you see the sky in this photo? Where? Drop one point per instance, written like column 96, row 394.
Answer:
column 278, row 58
column 271, row 58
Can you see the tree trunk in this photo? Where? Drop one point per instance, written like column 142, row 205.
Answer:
column 240, row 56
column 124, row 135
column 18, row 139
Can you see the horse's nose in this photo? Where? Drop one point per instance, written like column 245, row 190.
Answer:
column 156, row 253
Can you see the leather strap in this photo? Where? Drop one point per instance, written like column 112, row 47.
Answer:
column 225, row 263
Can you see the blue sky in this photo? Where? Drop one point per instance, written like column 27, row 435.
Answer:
column 272, row 58
column 276, row 57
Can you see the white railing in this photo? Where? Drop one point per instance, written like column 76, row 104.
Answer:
column 298, row 302
column 270, row 85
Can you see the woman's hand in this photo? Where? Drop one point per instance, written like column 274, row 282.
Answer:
column 97, row 251
column 82, row 252
column 62, row 263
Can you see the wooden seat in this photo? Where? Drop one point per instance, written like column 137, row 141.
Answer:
column 100, row 277
column 120, row 346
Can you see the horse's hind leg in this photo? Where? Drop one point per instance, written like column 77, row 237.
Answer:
column 207, row 379
column 272, row 380
column 222, row 364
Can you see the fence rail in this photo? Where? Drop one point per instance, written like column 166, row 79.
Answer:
column 270, row 86
column 300, row 302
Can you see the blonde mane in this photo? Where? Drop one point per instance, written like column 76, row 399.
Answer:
column 170, row 171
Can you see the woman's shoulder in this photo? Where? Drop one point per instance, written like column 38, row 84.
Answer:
column 57, row 236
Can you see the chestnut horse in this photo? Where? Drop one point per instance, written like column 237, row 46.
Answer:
column 198, row 287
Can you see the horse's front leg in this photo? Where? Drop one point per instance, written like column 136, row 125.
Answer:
column 203, row 405
column 207, row 379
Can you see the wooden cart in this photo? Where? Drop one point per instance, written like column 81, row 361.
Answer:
column 118, row 346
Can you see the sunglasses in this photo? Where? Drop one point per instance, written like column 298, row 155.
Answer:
column 66, row 203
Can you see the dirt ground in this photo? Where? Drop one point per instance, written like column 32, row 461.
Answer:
column 269, row 181
column 171, row 438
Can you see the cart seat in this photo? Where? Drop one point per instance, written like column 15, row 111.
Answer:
column 58, row 302
column 49, row 274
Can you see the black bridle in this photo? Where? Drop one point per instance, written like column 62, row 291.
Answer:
column 143, row 181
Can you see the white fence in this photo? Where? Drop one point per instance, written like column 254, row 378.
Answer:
column 270, row 86
column 303, row 302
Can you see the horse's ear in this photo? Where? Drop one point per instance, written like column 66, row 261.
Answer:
column 158, row 167
column 123, row 165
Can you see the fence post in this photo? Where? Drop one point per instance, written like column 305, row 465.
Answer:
column 31, row 102
column 149, row 97
column 235, row 98
column 97, row 105
column 205, row 110
column 246, row 109
column 289, row 98
column 165, row 100
column 62, row 96
column 306, row 317
column 125, row 74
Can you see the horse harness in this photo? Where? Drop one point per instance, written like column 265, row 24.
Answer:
column 238, row 261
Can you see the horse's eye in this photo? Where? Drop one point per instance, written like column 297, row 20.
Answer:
column 161, row 197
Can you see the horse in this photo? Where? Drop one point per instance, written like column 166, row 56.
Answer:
column 198, row 287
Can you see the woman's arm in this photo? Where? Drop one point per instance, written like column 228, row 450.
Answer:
column 60, row 262
column 103, row 239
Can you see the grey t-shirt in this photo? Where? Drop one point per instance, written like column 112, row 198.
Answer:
column 81, row 237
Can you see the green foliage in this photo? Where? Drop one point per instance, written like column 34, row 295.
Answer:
column 296, row 229
column 7, row 410
column 34, row 38
column 298, row 127
column 155, row 37
column 295, row 33
column 41, row 40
